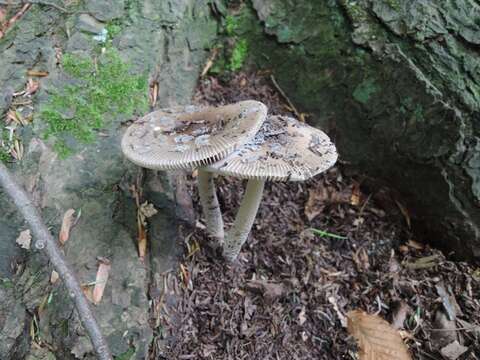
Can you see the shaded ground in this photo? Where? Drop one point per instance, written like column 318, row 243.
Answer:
column 287, row 295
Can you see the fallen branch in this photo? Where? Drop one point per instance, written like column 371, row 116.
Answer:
column 49, row 244
column 12, row 21
column 297, row 113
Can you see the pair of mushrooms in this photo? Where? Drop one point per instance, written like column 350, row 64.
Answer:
column 237, row 140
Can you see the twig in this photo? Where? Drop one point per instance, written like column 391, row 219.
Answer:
column 48, row 243
column 287, row 99
column 38, row 2
column 14, row 18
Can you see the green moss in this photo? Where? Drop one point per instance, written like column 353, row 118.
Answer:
column 394, row 4
column 126, row 355
column 113, row 28
column 239, row 55
column 103, row 90
column 231, row 24
column 365, row 90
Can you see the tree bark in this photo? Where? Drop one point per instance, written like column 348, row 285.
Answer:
column 397, row 84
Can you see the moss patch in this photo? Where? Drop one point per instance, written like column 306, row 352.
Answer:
column 365, row 90
column 102, row 90
column 239, row 55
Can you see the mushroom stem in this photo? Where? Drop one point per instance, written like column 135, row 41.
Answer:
column 210, row 206
column 247, row 212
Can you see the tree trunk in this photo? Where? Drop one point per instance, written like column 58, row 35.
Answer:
column 397, row 84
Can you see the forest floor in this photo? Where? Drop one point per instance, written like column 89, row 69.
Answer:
column 288, row 294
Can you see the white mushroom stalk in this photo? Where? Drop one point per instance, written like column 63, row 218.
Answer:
column 210, row 206
column 244, row 220
column 190, row 137
column 283, row 150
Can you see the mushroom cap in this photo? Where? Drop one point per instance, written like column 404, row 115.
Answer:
column 189, row 136
column 283, row 149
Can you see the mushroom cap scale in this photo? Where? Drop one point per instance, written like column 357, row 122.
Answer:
column 283, row 149
column 189, row 136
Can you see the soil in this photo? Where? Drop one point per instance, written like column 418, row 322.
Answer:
column 289, row 292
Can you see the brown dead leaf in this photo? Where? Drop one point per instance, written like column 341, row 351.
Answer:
column 321, row 196
column 142, row 237
column 37, row 73
column 145, row 211
column 32, row 86
column 24, row 239
column 271, row 291
column 400, row 314
column 361, row 260
column 153, row 93
column 376, row 338
column 67, row 224
column 356, row 195
column 12, row 117
column 103, row 271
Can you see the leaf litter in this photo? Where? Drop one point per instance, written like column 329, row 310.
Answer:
column 292, row 291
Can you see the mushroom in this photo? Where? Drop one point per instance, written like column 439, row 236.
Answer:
column 189, row 137
column 283, row 150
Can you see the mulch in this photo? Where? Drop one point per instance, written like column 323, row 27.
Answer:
column 288, row 294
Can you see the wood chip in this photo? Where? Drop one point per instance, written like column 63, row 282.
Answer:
column 103, row 271
column 67, row 224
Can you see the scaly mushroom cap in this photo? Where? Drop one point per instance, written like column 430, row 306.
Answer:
column 283, row 149
column 189, row 136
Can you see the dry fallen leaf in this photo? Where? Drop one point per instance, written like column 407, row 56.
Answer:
column 104, row 267
column 400, row 314
column 32, row 86
column 145, row 211
column 269, row 290
column 54, row 277
column 376, row 338
column 37, row 73
column 24, row 239
column 67, row 223
column 142, row 237
column 321, row 196
column 453, row 350
column 153, row 95
column 360, row 257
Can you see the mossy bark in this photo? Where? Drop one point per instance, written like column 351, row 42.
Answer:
column 397, row 84
column 166, row 42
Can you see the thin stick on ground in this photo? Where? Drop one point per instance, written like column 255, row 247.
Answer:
column 49, row 244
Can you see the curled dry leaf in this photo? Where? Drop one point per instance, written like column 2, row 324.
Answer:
column 321, row 196
column 103, row 271
column 145, row 211
column 67, row 224
column 343, row 320
column 376, row 338
column 32, row 87
column 270, row 290
column 24, row 239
